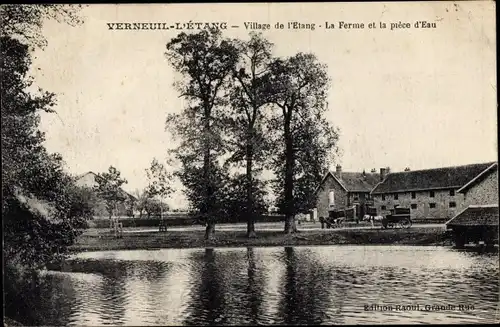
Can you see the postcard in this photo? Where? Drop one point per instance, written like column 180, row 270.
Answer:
column 250, row 163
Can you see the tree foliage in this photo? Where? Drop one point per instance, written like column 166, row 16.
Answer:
column 109, row 189
column 300, row 85
column 145, row 204
column 248, row 109
column 25, row 22
column 235, row 200
column 249, row 94
column 204, row 61
column 158, row 180
column 192, row 177
column 40, row 203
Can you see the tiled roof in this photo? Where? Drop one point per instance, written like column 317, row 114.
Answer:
column 428, row 179
column 486, row 215
column 358, row 182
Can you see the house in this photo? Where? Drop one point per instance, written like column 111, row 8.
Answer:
column 476, row 223
column 483, row 189
column 89, row 180
column 429, row 193
column 341, row 190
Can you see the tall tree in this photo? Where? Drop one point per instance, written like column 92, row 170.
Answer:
column 249, row 95
column 158, row 182
column 41, row 208
column 316, row 147
column 108, row 187
column 38, row 197
column 300, row 84
column 204, row 60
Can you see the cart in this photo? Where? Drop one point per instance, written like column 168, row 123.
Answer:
column 398, row 216
column 337, row 218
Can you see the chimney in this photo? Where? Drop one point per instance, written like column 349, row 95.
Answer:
column 339, row 171
column 382, row 173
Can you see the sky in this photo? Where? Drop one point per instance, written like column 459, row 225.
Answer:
column 406, row 97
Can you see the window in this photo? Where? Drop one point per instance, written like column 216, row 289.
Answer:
column 383, row 197
column 383, row 208
column 431, row 194
column 413, row 195
column 452, row 192
column 395, row 196
column 432, row 205
column 331, row 198
column 453, row 204
column 414, row 206
column 356, row 197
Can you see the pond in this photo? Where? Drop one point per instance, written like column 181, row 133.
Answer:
column 300, row 285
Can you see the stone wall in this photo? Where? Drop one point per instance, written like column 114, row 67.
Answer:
column 423, row 201
column 484, row 192
column 322, row 203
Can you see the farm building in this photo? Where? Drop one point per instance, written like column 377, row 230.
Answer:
column 431, row 194
column 474, row 224
column 89, row 180
column 483, row 189
column 342, row 190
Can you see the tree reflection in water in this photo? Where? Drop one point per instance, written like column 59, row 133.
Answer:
column 304, row 292
column 299, row 285
column 228, row 288
column 40, row 301
column 207, row 300
column 254, row 290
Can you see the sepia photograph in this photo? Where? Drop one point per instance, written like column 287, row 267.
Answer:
column 250, row 163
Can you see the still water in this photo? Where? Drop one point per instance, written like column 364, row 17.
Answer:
column 301, row 285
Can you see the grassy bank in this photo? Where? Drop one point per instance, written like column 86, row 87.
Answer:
column 194, row 239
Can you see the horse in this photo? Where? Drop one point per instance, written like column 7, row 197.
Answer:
column 372, row 219
column 339, row 222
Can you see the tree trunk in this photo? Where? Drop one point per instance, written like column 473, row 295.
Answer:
column 289, row 161
column 250, row 213
column 210, row 230
column 207, row 207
